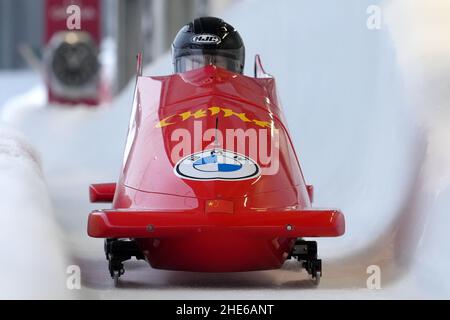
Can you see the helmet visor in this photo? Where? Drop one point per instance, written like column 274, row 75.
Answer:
column 196, row 61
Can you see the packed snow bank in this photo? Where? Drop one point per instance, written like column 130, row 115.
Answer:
column 32, row 257
column 420, row 31
column 16, row 82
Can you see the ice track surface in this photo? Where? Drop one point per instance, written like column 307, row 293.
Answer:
column 370, row 118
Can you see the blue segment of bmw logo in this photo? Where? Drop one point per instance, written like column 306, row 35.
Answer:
column 217, row 164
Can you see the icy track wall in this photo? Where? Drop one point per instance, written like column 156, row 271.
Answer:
column 421, row 33
column 32, row 260
column 343, row 94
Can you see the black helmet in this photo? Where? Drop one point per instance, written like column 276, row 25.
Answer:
column 205, row 41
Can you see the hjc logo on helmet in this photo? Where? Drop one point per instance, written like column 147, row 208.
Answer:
column 206, row 39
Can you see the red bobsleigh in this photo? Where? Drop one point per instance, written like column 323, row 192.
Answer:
column 210, row 180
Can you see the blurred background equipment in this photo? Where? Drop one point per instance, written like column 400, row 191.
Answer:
column 72, row 39
column 21, row 21
column 152, row 25
column 118, row 30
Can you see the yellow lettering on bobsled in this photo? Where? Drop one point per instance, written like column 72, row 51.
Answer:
column 263, row 124
column 229, row 113
column 164, row 123
column 197, row 114
column 214, row 110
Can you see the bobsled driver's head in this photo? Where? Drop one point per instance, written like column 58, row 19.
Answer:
column 208, row 41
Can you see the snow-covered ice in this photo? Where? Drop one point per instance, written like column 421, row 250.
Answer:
column 17, row 82
column 32, row 249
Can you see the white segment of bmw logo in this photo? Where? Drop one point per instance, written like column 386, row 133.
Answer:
column 217, row 164
column 206, row 39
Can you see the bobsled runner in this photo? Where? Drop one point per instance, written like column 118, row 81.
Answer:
column 210, row 180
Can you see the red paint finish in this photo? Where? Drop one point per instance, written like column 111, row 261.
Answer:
column 210, row 226
column 219, row 206
column 102, row 192
column 56, row 17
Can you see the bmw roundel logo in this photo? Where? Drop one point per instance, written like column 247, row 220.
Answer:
column 217, row 164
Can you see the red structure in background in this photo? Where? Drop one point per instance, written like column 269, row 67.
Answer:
column 56, row 31
column 56, row 17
